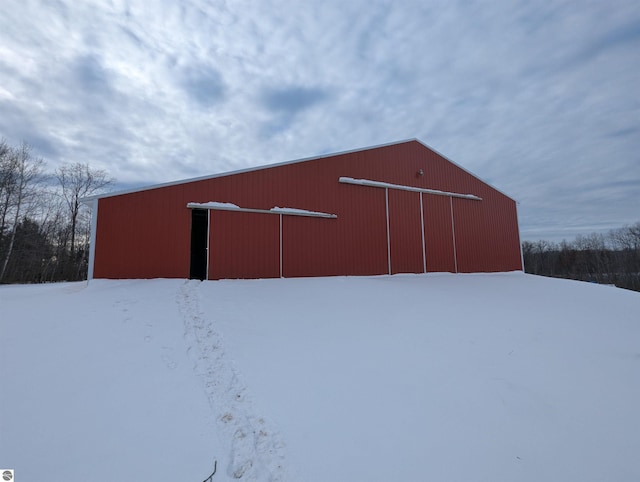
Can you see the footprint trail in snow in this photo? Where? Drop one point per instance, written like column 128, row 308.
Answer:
column 257, row 452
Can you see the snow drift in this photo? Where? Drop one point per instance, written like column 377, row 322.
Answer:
column 411, row 377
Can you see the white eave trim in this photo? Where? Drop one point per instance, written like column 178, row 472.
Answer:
column 386, row 185
column 275, row 210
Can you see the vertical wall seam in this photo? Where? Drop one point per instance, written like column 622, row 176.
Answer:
column 208, row 241
column 424, row 251
column 453, row 234
column 386, row 201
column 281, row 246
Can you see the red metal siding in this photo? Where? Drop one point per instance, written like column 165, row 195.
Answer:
column 438, row 233
column 147, row 233
column 142, row 235
column 309, row 247
column 362, row 241
column 323, row 247
column 483, row 242
column 405, row 236
column 244, row 245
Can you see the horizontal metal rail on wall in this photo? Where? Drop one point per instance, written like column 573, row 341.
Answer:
column 283, row 211
column 386, row 185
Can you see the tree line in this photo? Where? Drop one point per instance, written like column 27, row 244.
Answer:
column 44, row 228
column 611, row 258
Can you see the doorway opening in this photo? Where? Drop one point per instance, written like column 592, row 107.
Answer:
column 199, row 242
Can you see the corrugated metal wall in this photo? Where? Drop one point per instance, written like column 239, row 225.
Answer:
column 142, row 235
column 244, row 245
column 405, row 231
column 438, row 232
column 147, row 233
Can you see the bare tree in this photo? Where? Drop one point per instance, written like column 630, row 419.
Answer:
column 19, row 190
column 8, row 182
column 77, row 181
column 627, row 237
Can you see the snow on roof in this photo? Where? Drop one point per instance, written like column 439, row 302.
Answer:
column 224, row 206
column 299, row 212
column 214, row 205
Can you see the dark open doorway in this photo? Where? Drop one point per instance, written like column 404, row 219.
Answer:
column 199, row 229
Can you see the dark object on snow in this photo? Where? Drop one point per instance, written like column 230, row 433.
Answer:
column 215, row 467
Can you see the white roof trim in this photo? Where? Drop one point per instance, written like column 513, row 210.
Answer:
column 268, row 166
column 217, row 206
column 386, row 185
column 241, row 171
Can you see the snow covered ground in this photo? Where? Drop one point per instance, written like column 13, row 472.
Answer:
column 492, row 377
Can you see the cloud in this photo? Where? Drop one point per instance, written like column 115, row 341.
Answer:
column 542, row 99
column 203, row 84
column 91, row 76
column 89, row 87
column 622, row 35
column 292, row 100
column 286, row 103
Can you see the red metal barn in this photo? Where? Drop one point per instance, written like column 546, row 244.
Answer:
column 397, row 208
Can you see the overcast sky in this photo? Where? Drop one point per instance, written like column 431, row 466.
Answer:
column 539, row 98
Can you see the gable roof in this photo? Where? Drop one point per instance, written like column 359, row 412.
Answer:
column 285, row 163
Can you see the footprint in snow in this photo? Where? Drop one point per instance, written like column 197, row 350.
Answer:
column 167, row 358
